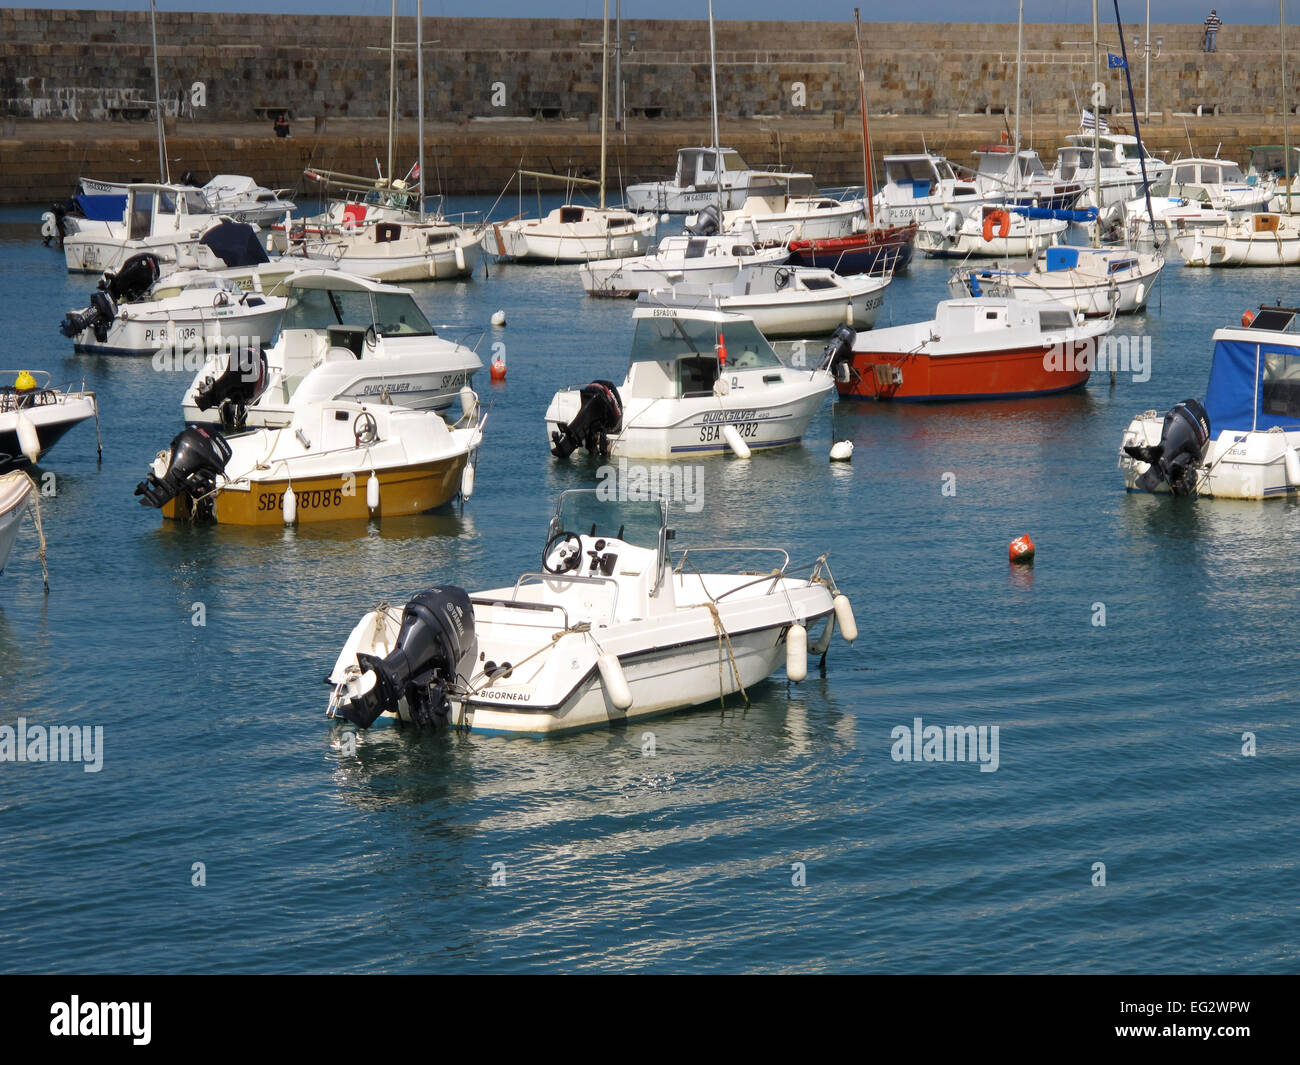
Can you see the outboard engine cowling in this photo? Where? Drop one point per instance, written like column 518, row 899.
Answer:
column 601, row 413
column 233, row 384
column 1183, row 439
column 97, row 318
column 707, row 223
column 190, row 468
column 436, row 651
column 133, row 279
column 838, row 354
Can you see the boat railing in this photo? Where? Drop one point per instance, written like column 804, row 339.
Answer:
column 515, row 604
column 568, row 578
column 738, row 549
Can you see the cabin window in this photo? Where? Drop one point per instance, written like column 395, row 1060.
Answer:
column 695, row 248
column 1211, row 175
column 166, row 203
column 1184, row 175
column 1054, row 320
column 817, row 283
column 396, row 314
column 697, row 375
column 733, row 161
column 1280, row 391
column 569, row 215
column 141, row 214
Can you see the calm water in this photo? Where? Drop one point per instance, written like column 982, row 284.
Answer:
column 1118, row 744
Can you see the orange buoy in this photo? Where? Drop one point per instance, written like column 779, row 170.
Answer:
column 1247, row 316
column 498, row 370
column 1021, row 549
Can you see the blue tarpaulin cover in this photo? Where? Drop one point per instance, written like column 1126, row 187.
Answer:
column 105, row 208
column 1061, row 258
column 1237, row 377
column 1088, row 214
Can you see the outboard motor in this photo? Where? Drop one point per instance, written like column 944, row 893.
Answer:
column 1183, row 440
column 190, row 469
column 233, row 385
column 436, row 649
column 97, row 317
column 133, row 279
column 601, row 413
column 838, row 354
column 707, row 222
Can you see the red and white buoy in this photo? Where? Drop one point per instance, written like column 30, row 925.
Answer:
column 1021, row 549
column 498, row 369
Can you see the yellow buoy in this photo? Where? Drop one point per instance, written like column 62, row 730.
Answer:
column 25, row 382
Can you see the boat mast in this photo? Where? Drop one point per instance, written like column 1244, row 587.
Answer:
column 392, row 92
column 164, row 174
column 419, row 88
column 604, row 111
column 1020, row 42
column 713, row 83
column 867, row 183
column 1096, row 128
column 1286, row 107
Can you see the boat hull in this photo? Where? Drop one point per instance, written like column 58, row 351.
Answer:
column 1205, row 247
column 921, row 378
column 15, row 494
column 51, row 422
column 867, row 253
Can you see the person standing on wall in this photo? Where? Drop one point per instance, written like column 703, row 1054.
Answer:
column 1212, row 24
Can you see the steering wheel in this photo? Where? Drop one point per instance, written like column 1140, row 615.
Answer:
column 220, row 299
column 568, row 560
column 365, row 430
column 782, row 278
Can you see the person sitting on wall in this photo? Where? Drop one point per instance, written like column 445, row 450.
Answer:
column 281, row 125
column 1212, row 24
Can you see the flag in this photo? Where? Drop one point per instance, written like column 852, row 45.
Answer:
column 1114, row 61
column 1090, row 121
column 415, row 172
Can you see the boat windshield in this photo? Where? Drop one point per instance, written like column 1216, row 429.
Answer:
column 910, row 171
column 391, row 313
column 667, row 338
column 599, row 512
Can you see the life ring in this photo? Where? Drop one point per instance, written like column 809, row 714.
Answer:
column 1247, row 316
column 999, row 218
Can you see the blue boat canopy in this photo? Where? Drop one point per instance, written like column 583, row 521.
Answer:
column 102, row 208
column 1254, row 384
column 1088, row 214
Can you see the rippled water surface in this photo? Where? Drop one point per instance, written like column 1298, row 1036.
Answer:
column 1119, row 743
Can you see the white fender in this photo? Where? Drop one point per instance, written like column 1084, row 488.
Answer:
column 372, row 492
column 796, row 652
column 29, row 440
column 468, row 403
column 612, row 676
column 1292, row 468
column 732, row 436
column 467, row 481
column 460, row 257
column 844, row 615
column 289, row 508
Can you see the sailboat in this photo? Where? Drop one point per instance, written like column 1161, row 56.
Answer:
column 425, row 249
column 576, row 233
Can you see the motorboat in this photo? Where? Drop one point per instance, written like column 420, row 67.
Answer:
column 97, row 204
column 17, row 490
column 1091, row 281
column 782, row 218
column 881, row 250
column 339, row 337
column 431, row 250
column 159, row 218
column 1195, row 193
column 1269, row 168
column 241, row 198
column 1262, row 239
column 790, row 301
column 986, row 348
column 335, row 460
column 1119, row 156
column 689, row 257
column 34, row 416
column 923, row 187
column 1243, row 441
column 610, row 630
column 997, row 231
column 701, row 381
column 699, row 182
column 573, row 233
column 1006, row 176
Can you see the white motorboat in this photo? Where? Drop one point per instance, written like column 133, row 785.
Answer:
column 572, row 233
column 431, row 250
column 1009, row 177
column 1092, row 281
column 793, row 301
column 1269, row 168
column 609, row 631
column 158, row 218
column 995, row 232
column 698, row 259
column 784, row 218
column 699, row 182
column 1195, row 193
column 1243, row 442
column 243, row 199
column 1120, row 164
column 701, row 381
column 16, row 493
column 34, row 416
column 339, row 337
column 1252, row 240
column 335, row 460
column 923, row 187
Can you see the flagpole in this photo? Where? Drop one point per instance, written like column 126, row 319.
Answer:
column 1286, row 107
column 1096, row 127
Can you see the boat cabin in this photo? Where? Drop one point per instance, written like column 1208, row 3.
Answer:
column 699, row 166
column 333, row 315
column 923, row 174
column 153, row 209
column 1201, row 179
column 1255, row 374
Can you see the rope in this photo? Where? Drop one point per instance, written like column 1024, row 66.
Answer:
column 731, row 655
column 35, row 512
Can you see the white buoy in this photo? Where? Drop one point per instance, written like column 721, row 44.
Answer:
column 842, row 451
column 499, row 318
column 467, row 481
column 611, row 675
column 372, row 492
column 460, row 257
column 796, row 653
column 844, row 615
column 29, row 440
column 665, row 218
column 289, row 507
column 1292, row 468
column 732, row 436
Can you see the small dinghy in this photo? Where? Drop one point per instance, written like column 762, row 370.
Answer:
column 334, row 461
column 573, row 233
column 1243, row 442
column 701, row 381
column 16, row 493
column 789, row 301
column 609, row 631
column 34, row 416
